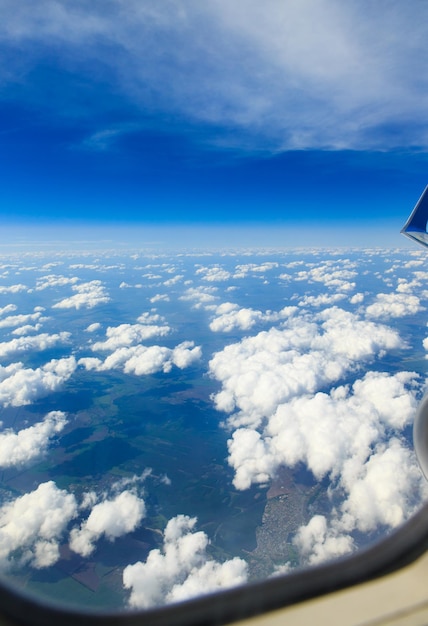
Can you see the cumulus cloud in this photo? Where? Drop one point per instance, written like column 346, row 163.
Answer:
column 151, row 276
column 54, row 280
column 111, row 518
column 88, row 295
column 141, row 359
column 9, row 308
column 317, row 541
column 28, row 444
column 128, row 334
column 173, row 281
column 386, row 491
column 407, row 286
column 330, row 275
column 93, row 327
column 201, row 296
column 181, row 569
column 13, row 288
column 230, row 316
column 394, row 305
column 34, row 342
column 32, row 525
column 17, row 320
column 381, row 493
column 242, row 270
column 262, row 371
column 20, row 386
column 27, row 328
column 357, row 298
column 213, row 273
column 330, row 432
column 150, row 318
column 159, row 297
column 321, row 300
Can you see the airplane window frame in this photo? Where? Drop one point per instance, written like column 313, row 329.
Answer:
column 400, row 548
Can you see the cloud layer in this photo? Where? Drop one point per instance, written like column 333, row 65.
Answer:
column 307, row 366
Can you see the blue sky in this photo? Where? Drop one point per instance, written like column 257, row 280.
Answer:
column 278, row 118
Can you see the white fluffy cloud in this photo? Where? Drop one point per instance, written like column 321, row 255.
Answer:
column 260, row 372
column 54, row 280
column 329, row 432
column 28, row 444
column 330, row 275
column 129, row 355
column 34, row 342
column 88, row 295
column 229, row 316
column 9, row 308
column 242, row 270
column 394, row 305
column 128, row 334
column 27, row 328
column 322, row 300
column 317, row 541
column 387, row 489
column 181, row 570
column 159, row 297
column 141, row 360
column 174, row 280
column 357, row 298
column 111, row 518
column 201, row 296
column 32, row 525
column 13, row 288
column 93, row 327
column 17, row 320
column 382, row 492
column 19, row 385
column 213, row 273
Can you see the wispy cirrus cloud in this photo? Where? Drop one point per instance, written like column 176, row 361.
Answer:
column 283, row 76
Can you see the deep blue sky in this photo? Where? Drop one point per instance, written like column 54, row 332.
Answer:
column 280, row 116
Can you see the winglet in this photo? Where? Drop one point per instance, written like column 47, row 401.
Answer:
column 416, row 226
